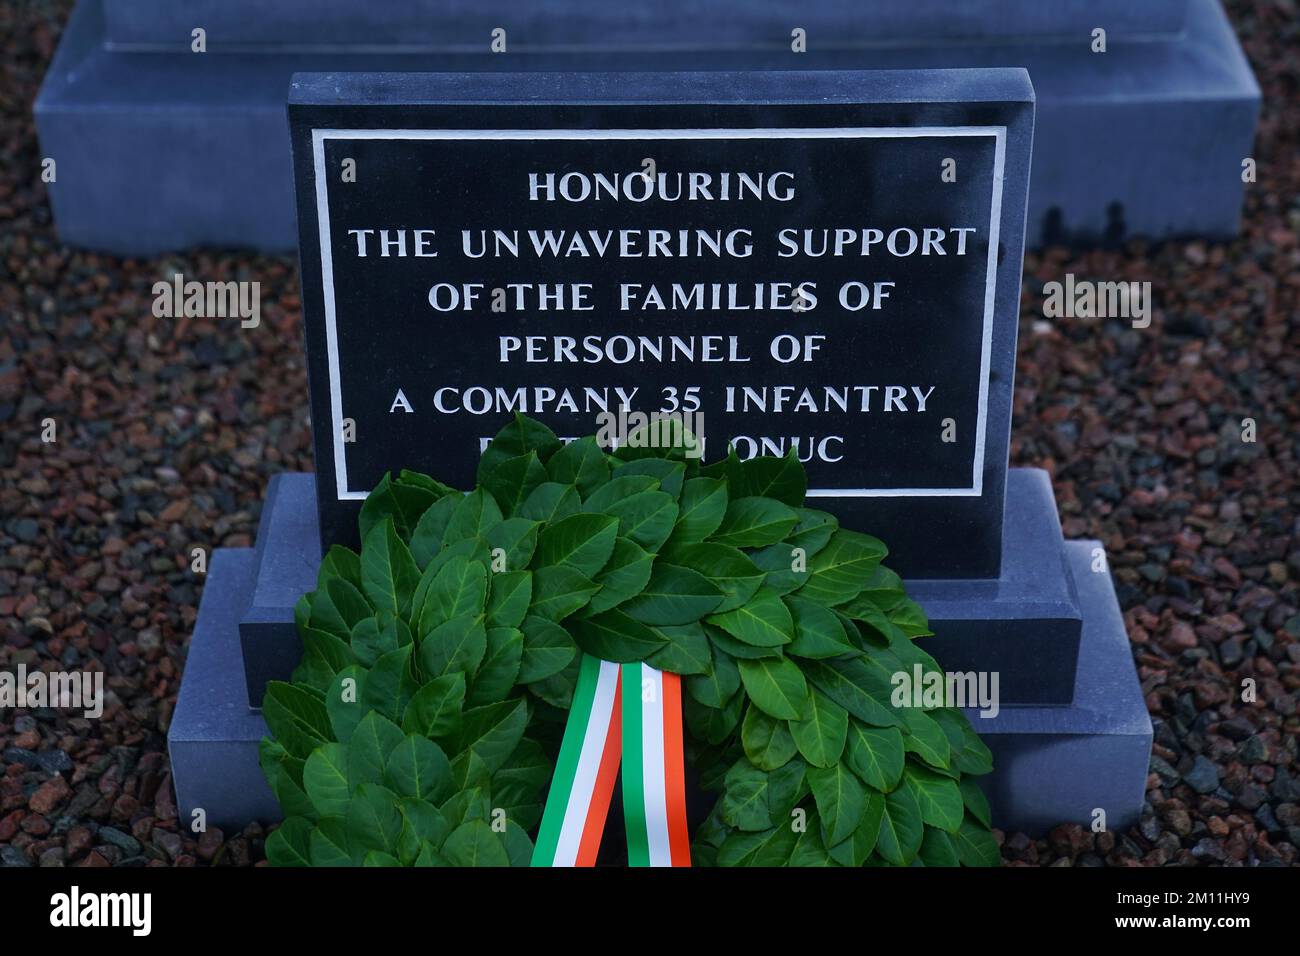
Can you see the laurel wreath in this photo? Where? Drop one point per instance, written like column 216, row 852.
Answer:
column 422, row 724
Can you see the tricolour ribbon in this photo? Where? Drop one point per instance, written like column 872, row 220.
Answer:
column 578, row 803
column 632, row 712
column 654, row 788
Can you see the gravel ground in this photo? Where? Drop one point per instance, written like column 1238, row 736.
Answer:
column 170, row 429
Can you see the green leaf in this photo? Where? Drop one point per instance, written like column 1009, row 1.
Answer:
column 841, row 801
column 975, row 758
column 511, row 593
column 925, row 738
column 813, row 530
column 296, row 717
column 330, row 653
column 818, row 633
column 329, row 844
column 368, row 750
column 458, row 590
column 783, row 479
column 754, row 523
column 937, row 849
column 669, row 474
column 403, row 503
column 340, row 562
column 809, row 850
column 626, row 574
column 614, row 636
column 673, row 595
column 476, row 514
column 389, row 685
column 284, row 774
column 547, row 649
column 687, row 650
column 474, row 844
column 499, row 671
column 343, row 702
column 616, row 490
column 745, row 797
column 389, row 574
column 901, row 827
column 839, row 570
column 458, row 645
column 559, row 591
column 511, row 481
column 551, row 501
column 647, row 517
column 557, row 690
column 776, row 686
column 937, row 796
column 841, row 681
column 858, row 846
column 376, row 858
column 975, row 846
column 519, row 848
column 883, row 590
column 779, row 562
column 467, row 805
column 727, row 568
column 713, row 725
column 420, row 480
column 786, row 787
column 349, row 603
column 426, row 539
column 434, row 711
column 376, row 636
column 909, row 618
column 289, row 844
column 703, row 505
column 520, row 436
column 421, row 823
column 763, row 621
column 875, row 754
column 581, row 463
column 517, row 539
column 373, row 822
column 418, row 768
column 768, row 742
column 491, row 733
column 582, row 542
column 821, row 732
column 471, row 549
column 429, row 857
column 718, row 685
column 517, row 787
column 766, row 848
column 741, row 651
column 975, row 801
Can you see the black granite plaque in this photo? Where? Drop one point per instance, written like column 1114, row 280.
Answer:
column 825, row 263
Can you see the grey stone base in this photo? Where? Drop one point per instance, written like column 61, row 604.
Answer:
column 1054, row 765
column 159, row 148
column 1055, row 762
column 214, row 734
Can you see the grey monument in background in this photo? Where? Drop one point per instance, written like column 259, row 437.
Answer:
column 161, row 148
